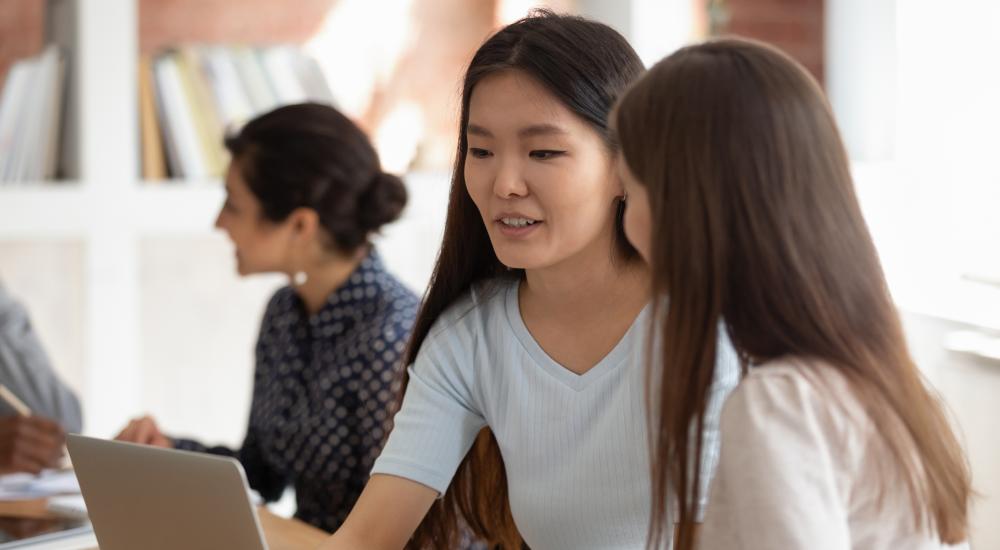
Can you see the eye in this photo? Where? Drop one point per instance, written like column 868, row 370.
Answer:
column 545, row 154
column 479, row 153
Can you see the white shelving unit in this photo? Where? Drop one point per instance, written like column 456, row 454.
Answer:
column 128, row 366
column 102, row 203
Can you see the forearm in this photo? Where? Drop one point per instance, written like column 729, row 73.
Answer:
column 385, row 516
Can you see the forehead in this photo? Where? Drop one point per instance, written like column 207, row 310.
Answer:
column 512, row 99
column 234, row 182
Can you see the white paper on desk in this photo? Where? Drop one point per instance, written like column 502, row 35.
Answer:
column 71, row 506
column 47, row 483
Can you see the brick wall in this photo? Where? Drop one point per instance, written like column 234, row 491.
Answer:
column 795, row 26
column 21, row 31
column 170, row 22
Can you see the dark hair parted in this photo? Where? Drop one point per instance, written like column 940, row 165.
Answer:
column 310, row 155
column 756, row 223
column 585, row 65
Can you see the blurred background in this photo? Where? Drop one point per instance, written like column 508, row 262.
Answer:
column 110, row 160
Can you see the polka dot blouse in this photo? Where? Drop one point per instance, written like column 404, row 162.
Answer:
column 323, row 388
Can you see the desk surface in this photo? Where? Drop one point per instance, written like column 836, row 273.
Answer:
column 281, row 533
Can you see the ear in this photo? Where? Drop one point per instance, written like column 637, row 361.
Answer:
column 304, row 223
column 616, row 178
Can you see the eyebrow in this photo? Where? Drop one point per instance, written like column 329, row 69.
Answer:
column 529, row 131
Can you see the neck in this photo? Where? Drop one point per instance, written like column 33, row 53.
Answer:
column 587, row 282
column 325, row 276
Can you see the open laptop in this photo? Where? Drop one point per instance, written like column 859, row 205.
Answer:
column 164, row 499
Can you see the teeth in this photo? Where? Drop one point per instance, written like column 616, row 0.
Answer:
column 517, row 222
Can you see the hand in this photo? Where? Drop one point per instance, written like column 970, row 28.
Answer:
column 145, row 432
column 30, row 444
column 22, row 528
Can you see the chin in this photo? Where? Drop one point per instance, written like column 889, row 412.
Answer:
column 521, row 259
column 243, row 270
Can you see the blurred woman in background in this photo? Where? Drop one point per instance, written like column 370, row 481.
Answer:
column 304, row 192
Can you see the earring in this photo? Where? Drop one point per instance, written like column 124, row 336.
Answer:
column 300, row 278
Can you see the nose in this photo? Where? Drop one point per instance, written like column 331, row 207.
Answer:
column 509, row 181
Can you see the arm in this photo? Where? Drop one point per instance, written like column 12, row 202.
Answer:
column 263, row 479
column 433, row 430
column 25, row 368
column 385, row 516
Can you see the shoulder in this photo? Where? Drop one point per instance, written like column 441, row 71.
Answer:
column 481, row 309
column 279, row 307
column 795, row 395
column 11, row 311
column 281, row 301
column 476, row 308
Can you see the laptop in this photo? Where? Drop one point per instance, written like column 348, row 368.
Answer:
column 164, row 499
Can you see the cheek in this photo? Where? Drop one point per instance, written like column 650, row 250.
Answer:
column 477, row 185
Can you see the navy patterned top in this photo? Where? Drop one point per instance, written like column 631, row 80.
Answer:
column 323, row 388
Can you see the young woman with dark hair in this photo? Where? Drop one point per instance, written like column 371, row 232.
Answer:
column 741, row 200
column 304, row 193
column 533, row 327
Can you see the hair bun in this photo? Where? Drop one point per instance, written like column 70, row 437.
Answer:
column 382, row 202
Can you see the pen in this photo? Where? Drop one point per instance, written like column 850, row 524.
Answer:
column 12, row 400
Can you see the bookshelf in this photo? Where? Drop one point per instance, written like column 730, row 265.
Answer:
column 143, row 244
column 103, row 207
column 99, row 165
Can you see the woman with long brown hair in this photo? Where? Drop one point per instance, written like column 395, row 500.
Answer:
column 741, row 200
column 533, row 325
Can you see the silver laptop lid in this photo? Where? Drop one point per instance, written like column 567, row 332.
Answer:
column 163, row 499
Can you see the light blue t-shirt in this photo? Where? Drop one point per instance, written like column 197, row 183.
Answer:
column 575, row 446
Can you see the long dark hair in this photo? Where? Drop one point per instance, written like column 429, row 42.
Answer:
column 585, row 65
column 311, row 155
column 756, row 222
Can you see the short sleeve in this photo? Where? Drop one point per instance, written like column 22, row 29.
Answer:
column 776, row 482
column 439, row 417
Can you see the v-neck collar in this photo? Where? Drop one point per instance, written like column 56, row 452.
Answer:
column 578, row 382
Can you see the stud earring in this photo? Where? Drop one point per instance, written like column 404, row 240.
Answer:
column 300, row 278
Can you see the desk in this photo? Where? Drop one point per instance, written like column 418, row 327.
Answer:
column 281, row 533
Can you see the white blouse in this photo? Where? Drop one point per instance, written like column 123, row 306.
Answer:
column 801, row 465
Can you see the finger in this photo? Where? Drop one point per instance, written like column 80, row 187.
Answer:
column 145, row 432
column 23, row 463
column 33, row 454
column 128, row 434
column 43, row 424
column 163, row 441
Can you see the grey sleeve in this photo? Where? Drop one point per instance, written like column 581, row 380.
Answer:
column 25, row 369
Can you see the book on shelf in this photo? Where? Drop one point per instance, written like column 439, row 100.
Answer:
column 30, row 117
column 154, row 162
column 192, row 95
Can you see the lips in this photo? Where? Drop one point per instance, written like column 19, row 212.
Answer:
column 515, row 224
